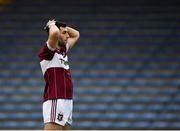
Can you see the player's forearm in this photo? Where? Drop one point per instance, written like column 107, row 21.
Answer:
column 53, row 36
column 73, row 33
column 53, row 31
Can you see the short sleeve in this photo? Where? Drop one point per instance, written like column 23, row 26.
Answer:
column 46, row 52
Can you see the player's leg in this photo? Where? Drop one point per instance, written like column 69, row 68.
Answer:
column 49, row 115
column 68, row 106
column 52, row 126
column 57, row 115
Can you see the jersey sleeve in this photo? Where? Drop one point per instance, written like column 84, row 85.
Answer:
column 46, row 52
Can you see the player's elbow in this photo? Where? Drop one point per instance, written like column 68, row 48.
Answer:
column 77, row 35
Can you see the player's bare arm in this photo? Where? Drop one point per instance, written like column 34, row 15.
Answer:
column 53, row 35
column 73, row 36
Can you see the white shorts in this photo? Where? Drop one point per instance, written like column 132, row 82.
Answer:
column 58, row 111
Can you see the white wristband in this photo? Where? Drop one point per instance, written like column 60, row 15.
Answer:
column 50, row 23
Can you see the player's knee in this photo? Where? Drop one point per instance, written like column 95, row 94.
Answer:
column 52, row 126
column 66, row 126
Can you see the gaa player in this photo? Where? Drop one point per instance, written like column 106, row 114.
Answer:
column 58, row 104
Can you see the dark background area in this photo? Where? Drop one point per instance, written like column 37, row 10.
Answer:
column 125, row 67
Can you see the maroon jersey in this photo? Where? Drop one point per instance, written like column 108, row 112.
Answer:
column 55, row 68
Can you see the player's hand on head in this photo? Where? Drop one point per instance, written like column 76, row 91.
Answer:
column 49, row 24
column 54, row 22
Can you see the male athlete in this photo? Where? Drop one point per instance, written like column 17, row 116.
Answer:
column 58, row 104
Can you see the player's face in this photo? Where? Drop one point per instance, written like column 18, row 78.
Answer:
column 64, row 34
